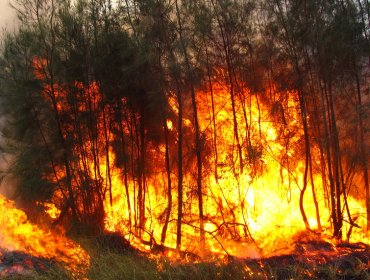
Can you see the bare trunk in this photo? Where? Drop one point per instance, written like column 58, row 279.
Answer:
column 226, row 44
column 179, row 168
column 107, row 158
column 307, row 155
column 142, row 170
column 363, row 150
column 197, row 132
column 125, row 166
column 328, row 140
column 169, row 185
column 213, row 117
column 319, row 227
column 335, row 163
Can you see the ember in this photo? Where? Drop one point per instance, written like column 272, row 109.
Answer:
column 312, row 257
column 19, row 263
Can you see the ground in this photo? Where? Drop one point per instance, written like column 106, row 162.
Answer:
column 113, row 258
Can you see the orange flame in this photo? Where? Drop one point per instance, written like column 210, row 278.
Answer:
column 250, row 214
column 17, row 233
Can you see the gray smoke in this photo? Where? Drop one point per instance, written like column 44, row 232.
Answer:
column 7, row 16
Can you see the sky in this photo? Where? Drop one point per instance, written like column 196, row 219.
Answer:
column 7, row 17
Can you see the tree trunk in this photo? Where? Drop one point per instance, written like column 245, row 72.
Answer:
column 307, row 155
column 213, row 117
column 197, row 131
column 168, row 171
column 363, row 150
column 179, row 168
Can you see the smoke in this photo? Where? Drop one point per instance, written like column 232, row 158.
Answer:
column 7, row 15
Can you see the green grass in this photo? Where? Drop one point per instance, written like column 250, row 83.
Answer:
column 109, row 264
column 115, row 266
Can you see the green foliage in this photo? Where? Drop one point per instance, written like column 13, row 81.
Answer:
column 25, row 112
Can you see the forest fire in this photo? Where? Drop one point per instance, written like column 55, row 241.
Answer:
column 253, row 194
column 251, row 214
column 196, row 131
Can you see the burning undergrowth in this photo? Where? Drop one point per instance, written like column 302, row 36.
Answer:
column 26, row 247
column 17, row 263
column 310, row 257
column 315, row 259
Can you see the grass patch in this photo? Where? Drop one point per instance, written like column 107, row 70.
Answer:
column 109, row 263
column 115, row 266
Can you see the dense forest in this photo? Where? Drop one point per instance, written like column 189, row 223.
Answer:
column 178, row 122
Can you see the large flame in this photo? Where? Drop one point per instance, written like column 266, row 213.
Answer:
column 252, row 213
column 18, row 234
column 252, row 175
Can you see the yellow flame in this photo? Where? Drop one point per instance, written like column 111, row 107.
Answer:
column 17, row 233
column 52, row 210
column 259, row 207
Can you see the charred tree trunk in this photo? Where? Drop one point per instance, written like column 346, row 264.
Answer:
column 233, row 106
column 328, row 139
column 169, row 184
column 336, row 163
column 135, row 151
column 142, row 170
column 197, row 129
column 319, row 227
column 125, row 166
column 107, row 158
column 213, row 116
column 226, row 45
column 307, row 155
column 363, row 150
column 179, row 168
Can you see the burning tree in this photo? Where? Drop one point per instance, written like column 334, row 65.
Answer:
column 233, row 123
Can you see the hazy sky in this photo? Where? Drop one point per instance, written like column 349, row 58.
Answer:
column 7, row 17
